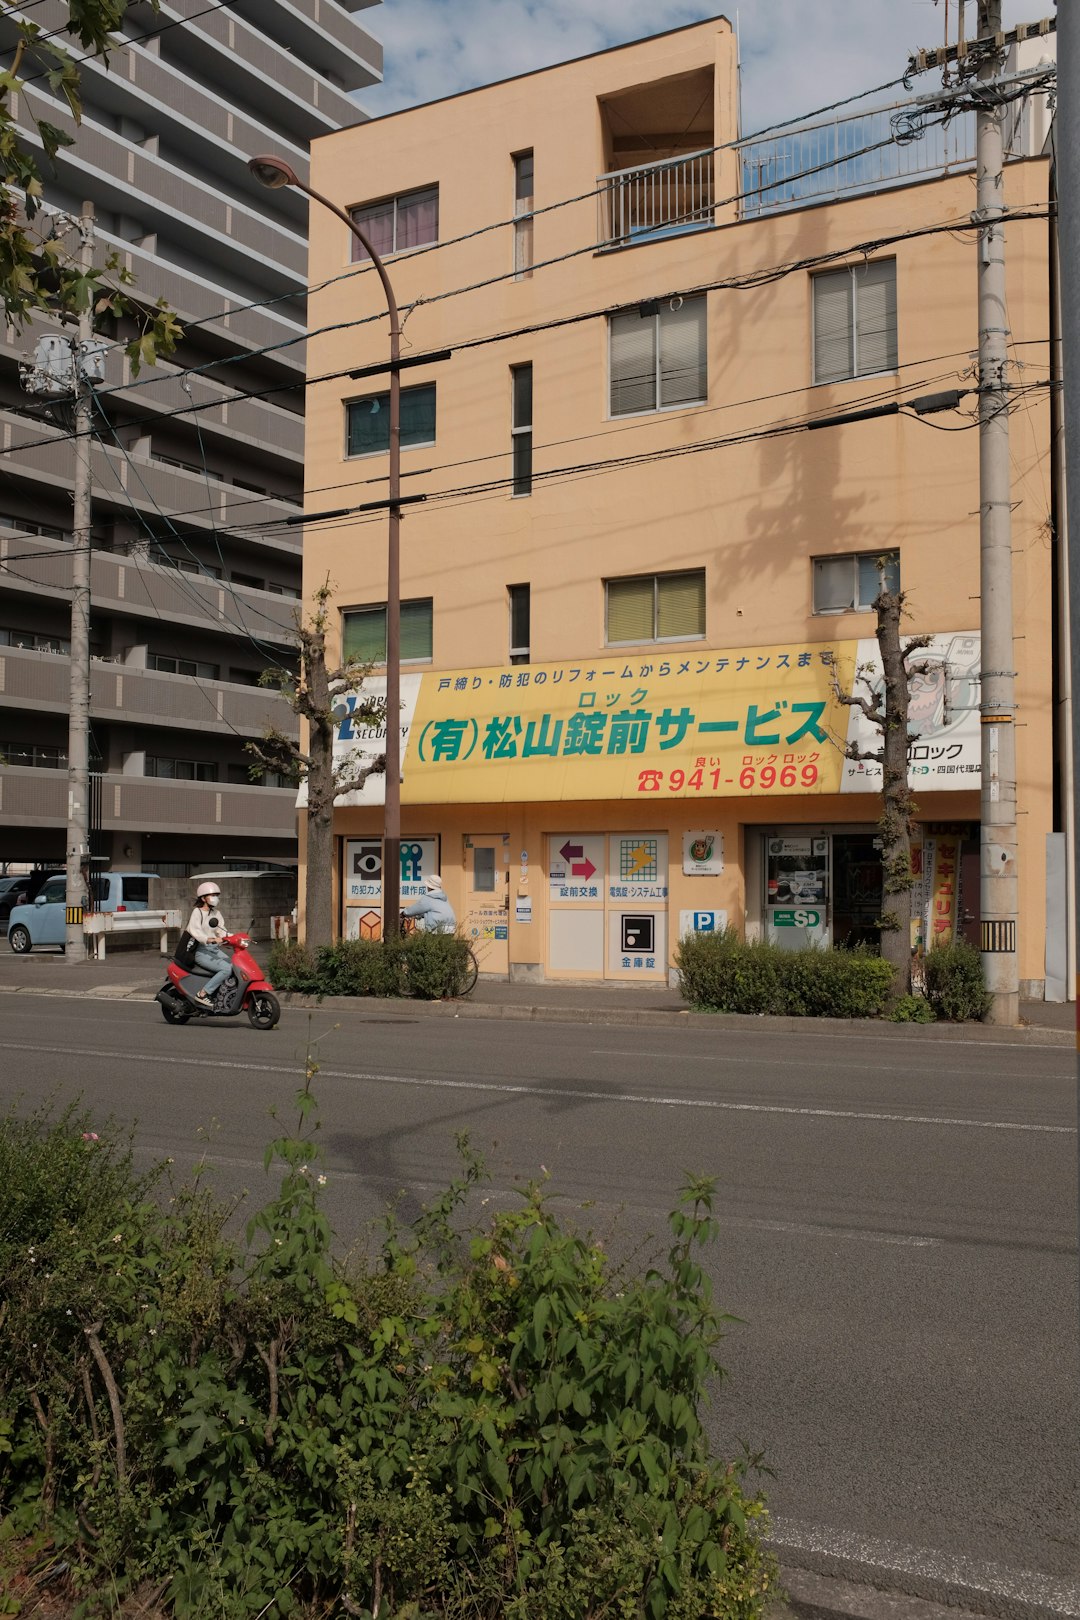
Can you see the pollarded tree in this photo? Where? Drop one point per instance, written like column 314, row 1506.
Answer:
column 316, row 696
column 883, row 697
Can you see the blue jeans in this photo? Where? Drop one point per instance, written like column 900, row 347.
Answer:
column 212, row 959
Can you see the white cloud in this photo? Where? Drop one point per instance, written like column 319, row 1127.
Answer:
column 796, row 54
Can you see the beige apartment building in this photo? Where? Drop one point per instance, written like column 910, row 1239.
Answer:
column 642, row 558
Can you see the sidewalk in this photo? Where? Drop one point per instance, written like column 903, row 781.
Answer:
column 137, row 975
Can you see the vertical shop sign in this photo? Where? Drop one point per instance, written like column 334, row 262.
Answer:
column 945, row 890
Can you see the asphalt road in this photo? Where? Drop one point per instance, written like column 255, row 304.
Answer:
column 897, row 1233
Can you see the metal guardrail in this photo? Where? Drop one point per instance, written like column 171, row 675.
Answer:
column 861, row 152
column 656, row 199
column 867, row 151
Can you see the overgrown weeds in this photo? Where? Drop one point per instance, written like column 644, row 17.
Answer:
column 482, row 1418
column 430, row 966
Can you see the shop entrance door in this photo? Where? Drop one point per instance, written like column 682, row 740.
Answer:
column 487, row 900
column 857, row 891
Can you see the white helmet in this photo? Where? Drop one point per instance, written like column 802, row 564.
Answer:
column 208, row 891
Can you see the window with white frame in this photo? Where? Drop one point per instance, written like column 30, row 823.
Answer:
column 655, row 607
column 523, row 215
column 363, row 633
column 395, row 224
column 855, row 321
column 658, row 358
column 850, row 584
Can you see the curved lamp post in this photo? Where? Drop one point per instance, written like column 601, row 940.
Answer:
column 275, row 172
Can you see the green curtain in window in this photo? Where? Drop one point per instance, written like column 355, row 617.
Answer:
column 364, row 634
column 680, row 605
column 630, row 609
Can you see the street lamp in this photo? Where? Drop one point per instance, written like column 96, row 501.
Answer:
column 275, row 173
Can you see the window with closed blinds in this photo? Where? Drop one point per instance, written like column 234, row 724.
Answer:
column 656, row 607
column 683, row 378
column 363, row 633
column 658, row 357
column 855, row 321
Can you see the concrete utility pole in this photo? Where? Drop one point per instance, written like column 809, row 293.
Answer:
column 1067, row 169
column 78, row 831
column 999, row 886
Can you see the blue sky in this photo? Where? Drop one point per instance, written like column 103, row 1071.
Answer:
column 796, row 54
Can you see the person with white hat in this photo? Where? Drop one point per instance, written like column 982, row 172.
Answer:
column 433, row 912
column 207, row 929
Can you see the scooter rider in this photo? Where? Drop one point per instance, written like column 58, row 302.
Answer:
column 433, row 912
column 207, row 928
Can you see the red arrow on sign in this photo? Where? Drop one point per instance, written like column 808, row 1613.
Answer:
column 583, row 869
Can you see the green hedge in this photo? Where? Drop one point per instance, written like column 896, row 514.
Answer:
column 955, row 987
column 723, row 973
column 431, row 966
column 474, row 1417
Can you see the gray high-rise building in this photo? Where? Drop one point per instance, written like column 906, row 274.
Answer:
column 195, row 578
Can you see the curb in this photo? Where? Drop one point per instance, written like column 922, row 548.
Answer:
column 833, row 1588
column 621, row 1016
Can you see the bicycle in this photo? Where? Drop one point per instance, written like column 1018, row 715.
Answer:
column 470, row 973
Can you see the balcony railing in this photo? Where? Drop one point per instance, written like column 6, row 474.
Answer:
column 656, row 200
column 124, row 692
column 884, row 147
column 30, row 797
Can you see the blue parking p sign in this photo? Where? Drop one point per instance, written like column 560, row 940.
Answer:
column 702, row 922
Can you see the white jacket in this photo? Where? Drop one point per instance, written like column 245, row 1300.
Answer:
column 206, row 927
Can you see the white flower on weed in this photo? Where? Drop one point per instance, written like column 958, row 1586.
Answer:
column 321, row 1180
column 118, row 1237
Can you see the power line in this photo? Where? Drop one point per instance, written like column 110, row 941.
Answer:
column 753, row 279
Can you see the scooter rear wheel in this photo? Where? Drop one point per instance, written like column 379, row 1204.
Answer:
column 263, row 1010
column 174, row 1012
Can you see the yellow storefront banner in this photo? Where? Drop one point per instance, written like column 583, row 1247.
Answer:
column 762, row 720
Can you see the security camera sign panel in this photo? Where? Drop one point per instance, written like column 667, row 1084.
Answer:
column 364, row 867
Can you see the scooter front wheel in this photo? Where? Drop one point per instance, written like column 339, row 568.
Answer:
column 263, row 1009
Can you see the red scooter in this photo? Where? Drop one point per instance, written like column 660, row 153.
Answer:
column 248, row 990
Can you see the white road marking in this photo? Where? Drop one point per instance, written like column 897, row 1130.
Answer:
column 563, row 1093
column 938, row 1569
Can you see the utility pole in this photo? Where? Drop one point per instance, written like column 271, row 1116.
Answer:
column 1067, row 175
column 78, row 828
column 999, row 886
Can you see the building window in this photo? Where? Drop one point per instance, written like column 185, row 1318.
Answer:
column 658, row 356
column 521, row 437
column 656, row 607
column 523, row 215
column 855, row 321
column 181, row 770
column 850, row 584
column 250, row 582
column 398, row 223
column 368, row 421
column 35, row 641
column 520, row 612
column 38, row 756
column 363, row 633
column 185, row 666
